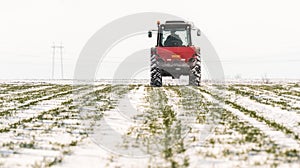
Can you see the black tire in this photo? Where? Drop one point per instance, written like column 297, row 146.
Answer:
column 156, row 78
column 195, row 73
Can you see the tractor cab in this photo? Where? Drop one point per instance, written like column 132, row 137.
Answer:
column 174, row 35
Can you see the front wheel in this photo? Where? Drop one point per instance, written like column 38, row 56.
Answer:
column 156, row 78
column 195, row 73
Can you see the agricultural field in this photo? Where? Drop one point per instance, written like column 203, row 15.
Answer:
column 48, row 124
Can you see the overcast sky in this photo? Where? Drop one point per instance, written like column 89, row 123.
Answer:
column 252, row 38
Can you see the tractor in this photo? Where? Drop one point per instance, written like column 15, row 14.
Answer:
column 174, row 54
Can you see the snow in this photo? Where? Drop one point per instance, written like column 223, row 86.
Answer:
column 57, row 133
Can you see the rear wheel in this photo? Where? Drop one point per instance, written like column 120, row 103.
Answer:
column 156, row 78
column 195, row 73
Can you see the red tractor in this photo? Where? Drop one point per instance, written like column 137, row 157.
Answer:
column 174, row 54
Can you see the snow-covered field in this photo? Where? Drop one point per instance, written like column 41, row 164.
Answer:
column 58, row 124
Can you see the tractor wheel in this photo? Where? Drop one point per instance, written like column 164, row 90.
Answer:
column 195, row 73
column 156, row 78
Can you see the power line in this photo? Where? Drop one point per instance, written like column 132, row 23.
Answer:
column 60, row 48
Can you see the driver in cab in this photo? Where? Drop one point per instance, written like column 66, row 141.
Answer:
column 173, row 40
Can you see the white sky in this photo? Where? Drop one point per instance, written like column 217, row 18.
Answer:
column 252, row 38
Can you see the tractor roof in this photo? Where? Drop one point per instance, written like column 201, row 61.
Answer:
column 175, row 24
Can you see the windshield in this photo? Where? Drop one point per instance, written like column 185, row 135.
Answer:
column 174, row 36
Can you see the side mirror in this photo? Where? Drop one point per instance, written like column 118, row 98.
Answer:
column 198, row 32
column 149, row 34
